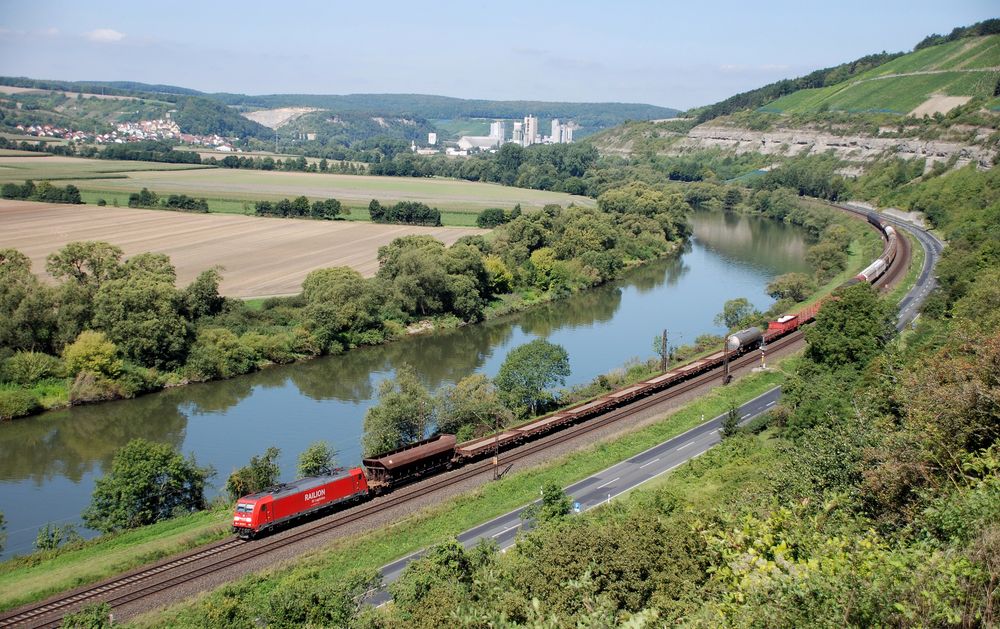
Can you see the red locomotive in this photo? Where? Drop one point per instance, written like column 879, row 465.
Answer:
column 263, row 511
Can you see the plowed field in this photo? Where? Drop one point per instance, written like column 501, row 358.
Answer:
column 259, row 256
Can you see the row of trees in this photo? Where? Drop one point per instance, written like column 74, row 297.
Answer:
column 405, row 212
column 297, row 164
column 149, row 151
column 301, row 208
column 43, row 191
column 146, row 198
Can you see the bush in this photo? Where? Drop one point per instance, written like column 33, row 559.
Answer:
column 92, row 387
column 18, row 403
column 218, row 353
column 29, row 367
column 491, row 217
column 94, row 353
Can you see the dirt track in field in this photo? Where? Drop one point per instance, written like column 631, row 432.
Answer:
column 260, row 256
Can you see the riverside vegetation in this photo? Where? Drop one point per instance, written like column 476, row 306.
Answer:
column 116, row 328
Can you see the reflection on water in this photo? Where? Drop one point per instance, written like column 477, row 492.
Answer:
column 48, row 464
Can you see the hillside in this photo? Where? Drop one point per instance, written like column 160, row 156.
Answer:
column 961, row 69
column 938, row 103
column 87, row 105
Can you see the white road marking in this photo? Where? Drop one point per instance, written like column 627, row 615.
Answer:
column 685, row 445
column 506, row 530
column 747, row 415
column 650, row 463
column 769, row 404
column 609, row 482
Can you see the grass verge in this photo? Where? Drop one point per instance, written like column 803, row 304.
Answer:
column 33, row 577
column 372, row 550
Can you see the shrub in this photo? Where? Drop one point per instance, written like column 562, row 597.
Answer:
column 218, row 353
column 18, row 403
column 29, row 367
column 491, row 217
column 92, row 352
column 92, row 387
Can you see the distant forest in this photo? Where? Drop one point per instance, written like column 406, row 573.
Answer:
column 217, row 113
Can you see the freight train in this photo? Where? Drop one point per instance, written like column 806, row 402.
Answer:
column 285, row 503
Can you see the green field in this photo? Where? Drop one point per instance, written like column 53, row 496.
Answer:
column 18, row 167
column 227, row 190
column 966, row 67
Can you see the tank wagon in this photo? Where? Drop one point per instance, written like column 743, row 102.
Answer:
column 281, row 504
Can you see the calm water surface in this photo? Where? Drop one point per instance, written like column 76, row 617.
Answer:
column 48, row 464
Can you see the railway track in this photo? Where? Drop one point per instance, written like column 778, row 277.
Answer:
column 164, row 575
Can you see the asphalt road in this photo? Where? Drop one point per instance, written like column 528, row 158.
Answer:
column 603, row 486
column 660, row 459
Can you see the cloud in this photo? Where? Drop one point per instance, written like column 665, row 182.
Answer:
column 104, row 35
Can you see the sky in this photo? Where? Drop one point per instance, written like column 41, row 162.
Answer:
column 675, row 54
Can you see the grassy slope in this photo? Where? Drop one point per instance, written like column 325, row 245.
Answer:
column 869, row 92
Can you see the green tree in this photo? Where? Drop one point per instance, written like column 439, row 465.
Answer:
column 148, row 482
column 737, row 313
column 262, row 472
column 530, row 369
column 473, row 403
column 341, row 305
column 142, row 315
column 554, row 505
column 826, row 259
column 851, row 328
column 401, row 416
column 28, row 315
column 218, row 353
column 491, row 217
column 317, row 459
column 795, row 286
column 415, row 267
column 201, row 297
column 731, row 422
column 89, row 264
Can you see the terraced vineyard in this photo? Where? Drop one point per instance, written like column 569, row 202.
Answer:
column 966, row 67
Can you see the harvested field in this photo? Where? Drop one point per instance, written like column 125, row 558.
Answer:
column 260, row 256
column 939, row 104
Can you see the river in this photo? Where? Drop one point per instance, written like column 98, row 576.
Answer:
column 48, row 463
